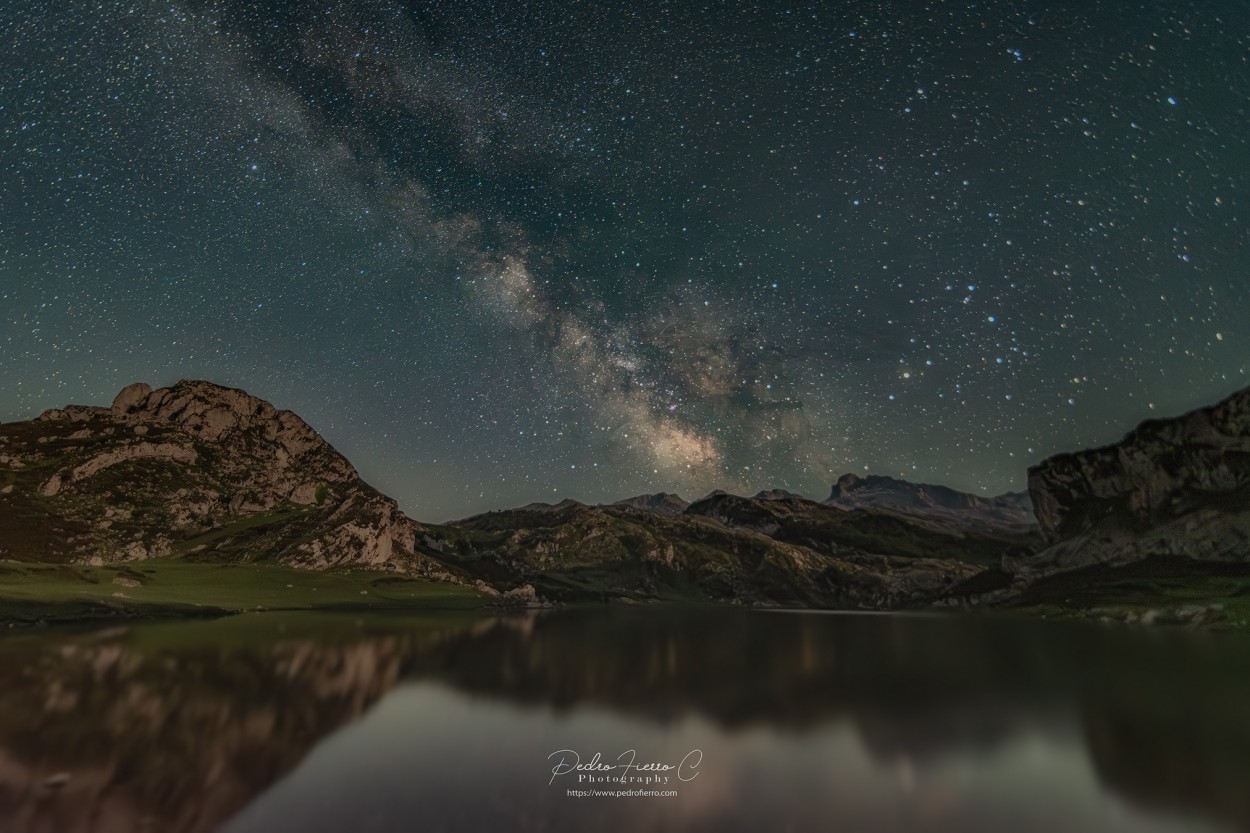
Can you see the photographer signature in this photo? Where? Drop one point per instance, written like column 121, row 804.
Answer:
column 626, row 769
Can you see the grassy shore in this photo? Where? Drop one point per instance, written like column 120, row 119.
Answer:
column 177, row 588
column 1152, row 591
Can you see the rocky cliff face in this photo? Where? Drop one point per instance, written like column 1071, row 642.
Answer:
column 1172, row 487
column 1010, row 512
column 194, row 469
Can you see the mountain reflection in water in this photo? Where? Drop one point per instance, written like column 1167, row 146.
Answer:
column 805, row 721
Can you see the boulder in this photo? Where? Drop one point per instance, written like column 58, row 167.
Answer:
column 130, row 397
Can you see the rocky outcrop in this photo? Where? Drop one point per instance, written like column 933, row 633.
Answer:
column 130, row 397
column 198, row 468
column 137, row 451
column 73, row 413
column 230, row 417
column 365, row 530
column 1172, row 487
column 1010, row 512
column 1162, row 469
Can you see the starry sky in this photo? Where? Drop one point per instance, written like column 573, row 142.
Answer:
column 516, row 251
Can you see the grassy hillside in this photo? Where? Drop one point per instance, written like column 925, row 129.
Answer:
column 1152, row 591
column 177, row 587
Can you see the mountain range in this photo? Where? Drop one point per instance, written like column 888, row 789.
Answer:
column 201, row 473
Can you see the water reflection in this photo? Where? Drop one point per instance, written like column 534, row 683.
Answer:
column 807, row 722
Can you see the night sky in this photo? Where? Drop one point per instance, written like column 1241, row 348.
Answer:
column 505, row 252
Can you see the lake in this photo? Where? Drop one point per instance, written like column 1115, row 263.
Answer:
column 737, row 720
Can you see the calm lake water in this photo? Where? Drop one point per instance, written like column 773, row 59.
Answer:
column 771, row 721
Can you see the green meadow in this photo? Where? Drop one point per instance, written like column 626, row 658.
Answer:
column 175, row 587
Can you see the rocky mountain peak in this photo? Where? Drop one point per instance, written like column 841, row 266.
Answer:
column 846, row 482
column 882, row 488
column 221, row 415
column 196, row 458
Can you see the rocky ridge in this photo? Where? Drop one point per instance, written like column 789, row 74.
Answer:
column 664, row 502
column 772, row 550
column 1175, row 487
column 1010, row 512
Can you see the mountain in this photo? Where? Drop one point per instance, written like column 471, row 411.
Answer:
column 197, row 473
column 1011, row 512
column 206, row 473
column 781, row 551
column 195, row 470
column 662, row 502
column 777, row 494
column 1171, row 489
column 552, row 507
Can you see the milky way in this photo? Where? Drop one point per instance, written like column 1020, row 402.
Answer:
column 508, row 252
